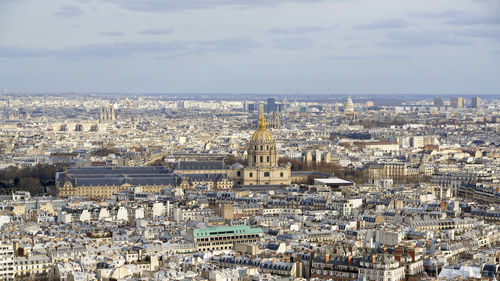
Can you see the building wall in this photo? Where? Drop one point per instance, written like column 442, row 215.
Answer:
column 102, row 191
column 261, row 176
column 6, row 262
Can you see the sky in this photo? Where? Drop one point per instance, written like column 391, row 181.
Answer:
column 250, row 46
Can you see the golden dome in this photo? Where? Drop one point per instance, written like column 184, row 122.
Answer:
column 262, row 135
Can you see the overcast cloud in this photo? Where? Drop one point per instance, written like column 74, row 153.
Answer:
column 265, row 46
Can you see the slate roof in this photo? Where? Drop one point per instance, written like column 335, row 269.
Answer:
column 199, row 165
column 116, row 176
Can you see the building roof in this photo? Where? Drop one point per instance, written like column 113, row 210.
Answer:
column 225, row 230
column 199, row 165
column 332, row 181
column 117, row 176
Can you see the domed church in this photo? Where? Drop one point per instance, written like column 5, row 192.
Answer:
column 263, row 168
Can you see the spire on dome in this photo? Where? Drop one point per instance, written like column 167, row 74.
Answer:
column 262, row 119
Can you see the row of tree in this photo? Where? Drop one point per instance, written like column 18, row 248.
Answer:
column 34, row 179
column 354, row 175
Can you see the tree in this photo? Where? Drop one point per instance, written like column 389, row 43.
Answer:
column 231, row 159
column 14, row 178
column 296, row 164
column 31, row 185
column 105, row 151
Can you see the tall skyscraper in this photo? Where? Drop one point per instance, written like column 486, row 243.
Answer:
column 476, row 102
column 457, row 102
column 438, row 102
column 271, row 105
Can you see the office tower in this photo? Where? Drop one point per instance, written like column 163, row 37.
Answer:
column 457, row 102
column 476, row 102
column 271, row 105
column 438, row 102
column 251, row 107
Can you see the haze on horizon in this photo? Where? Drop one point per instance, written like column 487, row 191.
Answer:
column 271, row 46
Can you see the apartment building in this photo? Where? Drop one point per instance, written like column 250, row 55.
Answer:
column 224, row 237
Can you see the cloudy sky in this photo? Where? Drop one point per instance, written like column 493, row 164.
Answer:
column 251, row 46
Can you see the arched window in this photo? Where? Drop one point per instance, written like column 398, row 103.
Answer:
column 261, row 147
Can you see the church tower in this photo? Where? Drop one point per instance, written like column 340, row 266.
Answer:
column 262, row 168
column 262, row 147
column 349, row 108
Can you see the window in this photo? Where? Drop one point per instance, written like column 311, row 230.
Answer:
column 255, row 159
column 266, row 174
column 261, row 147
column 267, row 147
column 267, row 158
column 261, row 159
column 251, row 175
column 281, row 174
column 238, row 173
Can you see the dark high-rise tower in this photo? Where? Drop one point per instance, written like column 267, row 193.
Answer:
column 457, row 102
column 438, row 102
column 476, row 102
column 271, row 105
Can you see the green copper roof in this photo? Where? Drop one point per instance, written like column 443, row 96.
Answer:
column 225, row 230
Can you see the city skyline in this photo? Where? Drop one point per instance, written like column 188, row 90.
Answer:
column 249, row 140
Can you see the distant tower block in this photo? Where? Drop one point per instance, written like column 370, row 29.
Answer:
column 271, row 105
column 438, row 102
column 476, row 102
column 457, row 102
